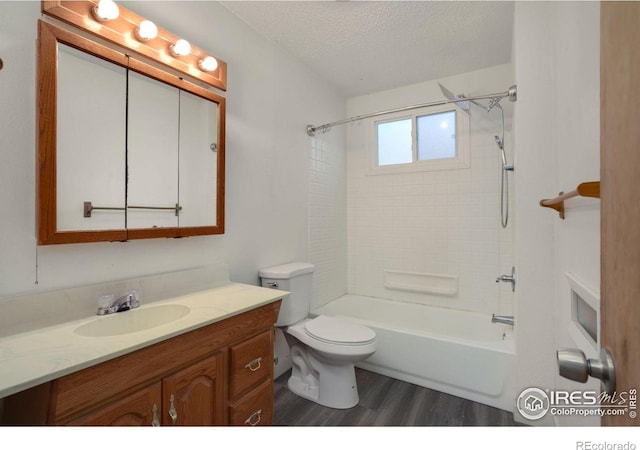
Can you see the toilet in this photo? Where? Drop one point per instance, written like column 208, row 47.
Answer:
column 323, row 349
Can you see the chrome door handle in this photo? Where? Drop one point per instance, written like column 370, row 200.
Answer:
column 254, row 419
column 172, row 411
column 253, row 365
column 574, row 365
column 155, row 421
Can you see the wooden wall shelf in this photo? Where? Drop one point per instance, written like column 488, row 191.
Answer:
column 586, row 189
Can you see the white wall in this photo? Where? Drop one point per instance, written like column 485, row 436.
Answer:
column 556, row 132
column 444, row 222
column 270, row 100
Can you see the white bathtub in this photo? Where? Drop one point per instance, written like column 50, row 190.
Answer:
column 458, row 352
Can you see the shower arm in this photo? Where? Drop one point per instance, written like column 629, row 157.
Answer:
column 511, row 93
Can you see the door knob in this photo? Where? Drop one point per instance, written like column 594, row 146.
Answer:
column 574, row 365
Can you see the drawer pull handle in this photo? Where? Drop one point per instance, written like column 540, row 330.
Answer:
column 154, row 421
column 254, row 419
column 254, row 365
column 172, row 411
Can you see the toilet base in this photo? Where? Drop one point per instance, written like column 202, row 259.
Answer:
column 329, row 385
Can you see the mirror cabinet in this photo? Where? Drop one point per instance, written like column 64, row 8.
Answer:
column 127, row 149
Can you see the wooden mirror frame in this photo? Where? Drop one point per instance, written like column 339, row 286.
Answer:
column 48, row 38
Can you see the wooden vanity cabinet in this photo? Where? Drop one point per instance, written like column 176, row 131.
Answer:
column 220, row 374
column 192, row 396
column 251, row 381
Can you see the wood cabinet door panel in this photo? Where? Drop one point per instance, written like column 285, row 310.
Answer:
column 194, row 395
column 135, row 410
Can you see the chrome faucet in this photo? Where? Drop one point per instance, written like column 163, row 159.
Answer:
column 106, row 304
column 509, row 279
column 508, row 320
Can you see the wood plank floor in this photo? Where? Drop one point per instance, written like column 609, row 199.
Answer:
column 386, row 401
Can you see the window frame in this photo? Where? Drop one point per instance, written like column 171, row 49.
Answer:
column 460, row 161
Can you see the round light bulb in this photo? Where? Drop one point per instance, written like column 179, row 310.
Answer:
column 208, row 64
column 147, row 30
column 181, row 48
column 106, row 10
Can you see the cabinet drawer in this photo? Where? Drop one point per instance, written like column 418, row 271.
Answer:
column 251, row 363
column 255, row 408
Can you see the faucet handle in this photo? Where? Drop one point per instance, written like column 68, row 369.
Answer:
column 104, row 304
column 134, row 298
column 509, row 279
column 105, row 301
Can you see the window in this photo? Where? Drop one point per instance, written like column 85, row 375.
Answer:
column 436, row 135
column 395, row 142
column 429, row 139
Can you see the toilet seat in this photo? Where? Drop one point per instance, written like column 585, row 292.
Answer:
column 333, row 330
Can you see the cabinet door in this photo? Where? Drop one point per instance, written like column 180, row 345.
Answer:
column 152, row 152
column 198, row 160
column 194, row 395
column 137, row 409
column 90, row 137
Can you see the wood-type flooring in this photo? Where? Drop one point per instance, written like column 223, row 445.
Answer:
column 386, row 401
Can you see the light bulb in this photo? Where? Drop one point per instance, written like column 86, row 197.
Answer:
column 106, row 10
column 146, row 31
column 181, row 48
column 208, row 64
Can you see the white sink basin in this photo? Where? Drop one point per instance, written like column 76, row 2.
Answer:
column 132, row 321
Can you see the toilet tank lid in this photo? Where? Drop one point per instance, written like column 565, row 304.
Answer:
column 285, row 271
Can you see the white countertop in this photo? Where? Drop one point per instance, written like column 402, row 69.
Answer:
column 34, row 357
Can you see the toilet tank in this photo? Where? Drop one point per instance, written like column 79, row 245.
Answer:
column 295, row 278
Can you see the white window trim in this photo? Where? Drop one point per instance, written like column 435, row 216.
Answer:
column 461, row 161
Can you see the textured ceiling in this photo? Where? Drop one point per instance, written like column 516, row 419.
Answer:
column 369, row 46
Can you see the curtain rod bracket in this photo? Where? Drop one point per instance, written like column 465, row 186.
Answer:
column 311, row 131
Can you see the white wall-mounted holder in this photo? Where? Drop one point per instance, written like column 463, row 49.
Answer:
column 421, row 283
column 584, row 326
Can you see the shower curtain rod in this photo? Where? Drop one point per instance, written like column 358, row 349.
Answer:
column 512, row 94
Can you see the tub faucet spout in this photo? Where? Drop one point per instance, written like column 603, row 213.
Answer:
column 508, row 320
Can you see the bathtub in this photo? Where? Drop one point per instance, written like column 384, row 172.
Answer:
column 457, row 352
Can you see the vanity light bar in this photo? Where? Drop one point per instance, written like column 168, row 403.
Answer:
column 135, row 33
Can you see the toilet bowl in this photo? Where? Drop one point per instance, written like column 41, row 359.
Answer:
column 323, row 349
column 323, row 353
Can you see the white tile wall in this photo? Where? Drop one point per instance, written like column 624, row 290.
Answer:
column 440, row 222
column 327, row 218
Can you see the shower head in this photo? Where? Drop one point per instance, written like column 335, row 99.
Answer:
column 503, row 155
column 463, row 105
